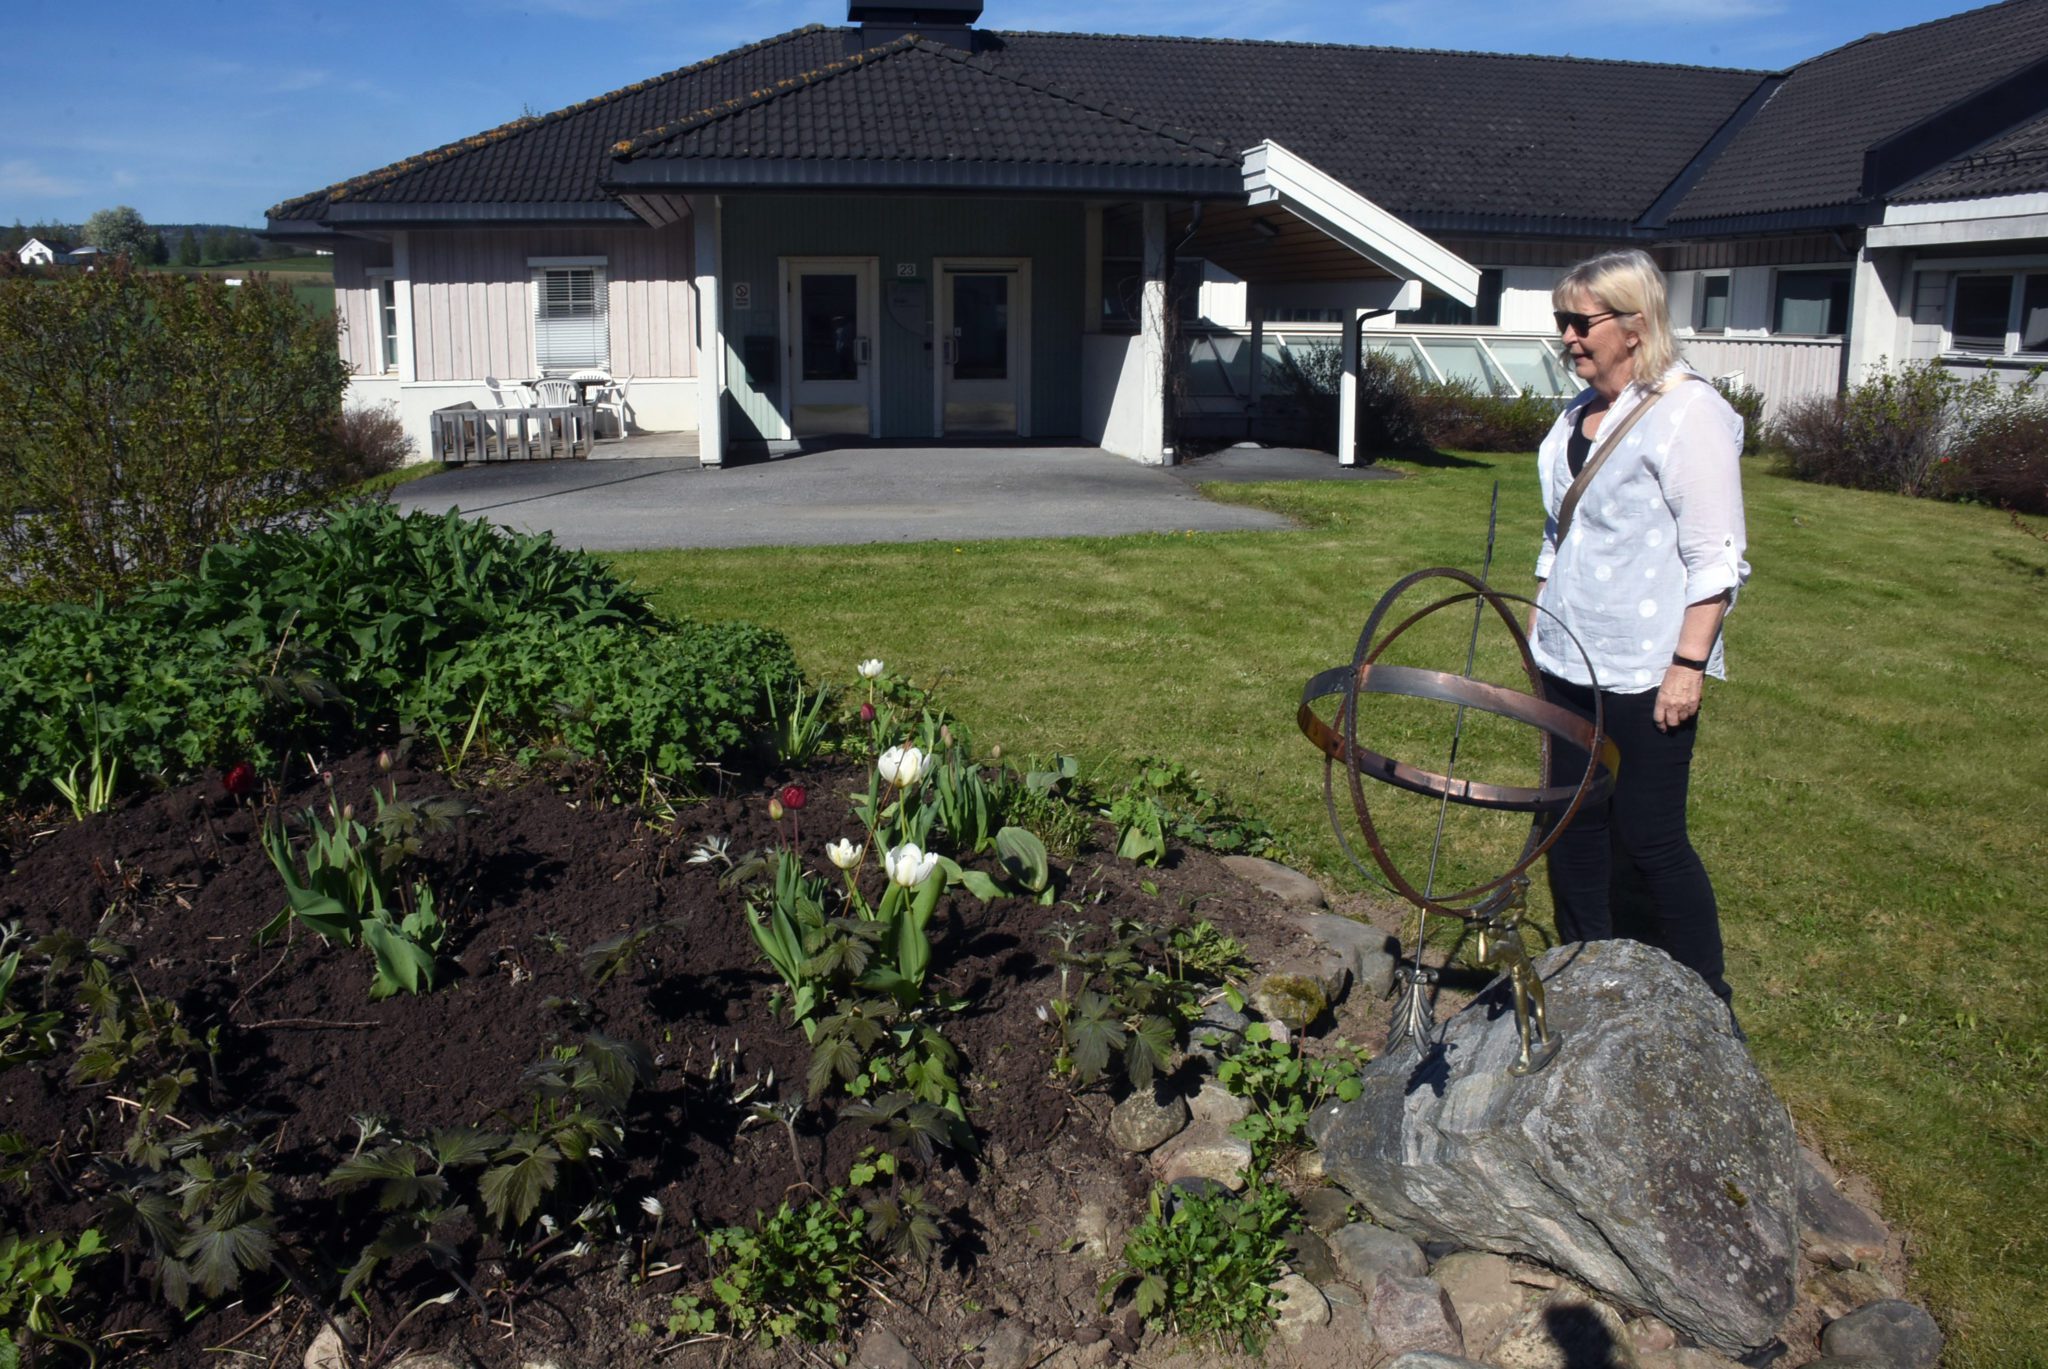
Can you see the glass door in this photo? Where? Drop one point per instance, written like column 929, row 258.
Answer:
column 830, row 328
column 985, row 337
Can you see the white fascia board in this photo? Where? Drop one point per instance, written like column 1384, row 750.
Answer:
column 1273, row 175
column 1983, row 207
column 1949, row 232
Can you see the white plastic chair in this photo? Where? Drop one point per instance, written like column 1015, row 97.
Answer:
column 612, row 400
column 554, row 393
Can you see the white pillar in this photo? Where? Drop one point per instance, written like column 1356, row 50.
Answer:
column 1347, row 393
column 401, row 291
column 705, row 215
column 1256, row 387
column 1878, row 313
column 1152, row 340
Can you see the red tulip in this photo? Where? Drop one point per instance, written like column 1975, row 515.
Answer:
column 793, row 796
column 240, row 780
column 867, row 713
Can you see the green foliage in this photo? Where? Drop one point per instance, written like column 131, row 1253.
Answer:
column 26, row 1033
column 121, row 231
column 1927, row 430
column 1748, row 401
column 798, row 727
column 1064, row 826
column 1284, row 1085
column 1121, row 1008
column 1166, row 799
column 435, row 623
column 149, row 415
column 348, row 891
column 202, row 1207
column 36, row 1276
column 1204, row 1269
column 796, row 1275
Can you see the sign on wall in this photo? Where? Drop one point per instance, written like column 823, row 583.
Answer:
column 742, row 295
column 906, row 270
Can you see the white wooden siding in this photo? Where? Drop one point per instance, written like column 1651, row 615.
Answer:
column 473, row 310
column 1785, row 369
column 355, row 304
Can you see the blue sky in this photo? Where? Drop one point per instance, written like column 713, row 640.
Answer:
column 209, row 111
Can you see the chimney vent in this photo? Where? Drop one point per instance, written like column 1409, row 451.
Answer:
column 942, row 21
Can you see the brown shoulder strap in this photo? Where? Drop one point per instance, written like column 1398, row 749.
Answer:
column 1592, row 466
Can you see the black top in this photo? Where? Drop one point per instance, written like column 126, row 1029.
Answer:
column 1579, row 446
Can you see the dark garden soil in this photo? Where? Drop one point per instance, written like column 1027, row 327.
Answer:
column 548, row 866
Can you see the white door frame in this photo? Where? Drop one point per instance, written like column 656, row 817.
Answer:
column 868, row 270
column 1020, row 331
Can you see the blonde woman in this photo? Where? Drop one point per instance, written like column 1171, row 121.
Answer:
column 1640, row 562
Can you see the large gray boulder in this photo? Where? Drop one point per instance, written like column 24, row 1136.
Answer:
column 1649, row 1159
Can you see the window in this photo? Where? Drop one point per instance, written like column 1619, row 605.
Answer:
column 387, row 321
column 1710, row 304
column 1814, row 303
column 1123, row 285
column 1439, row 308
column 1993, row 315
column 570, row 327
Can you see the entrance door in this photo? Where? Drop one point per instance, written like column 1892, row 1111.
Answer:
column 985, row 329
column 829, row 328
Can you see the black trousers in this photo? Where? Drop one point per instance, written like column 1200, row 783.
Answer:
column 1625, row 867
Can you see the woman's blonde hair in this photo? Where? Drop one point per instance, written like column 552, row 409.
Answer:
column 1629, row 283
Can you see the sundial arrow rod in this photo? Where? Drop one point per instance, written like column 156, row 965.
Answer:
column 1458, row 724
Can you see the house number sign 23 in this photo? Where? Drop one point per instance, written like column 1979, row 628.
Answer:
column 906, row 270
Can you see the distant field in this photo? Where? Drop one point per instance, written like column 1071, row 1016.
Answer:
column 312, row 282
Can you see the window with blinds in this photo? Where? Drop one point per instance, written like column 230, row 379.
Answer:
column 570, row 331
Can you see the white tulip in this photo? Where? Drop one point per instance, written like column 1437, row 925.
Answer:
column 903, row 766
column 844, row 853
column 870, row 668
column 910, row 867
column 651, row 1206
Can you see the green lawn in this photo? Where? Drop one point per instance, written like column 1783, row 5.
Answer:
column 1869, row 789
column 310, row 278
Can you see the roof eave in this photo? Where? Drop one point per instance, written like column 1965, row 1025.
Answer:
column 1856, row 214
column 441, row 214
column 725, row 174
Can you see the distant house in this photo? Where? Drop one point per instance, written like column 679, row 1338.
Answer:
column 43, row 252
column 913, row 227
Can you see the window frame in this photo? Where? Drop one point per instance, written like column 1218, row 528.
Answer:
column 1492, row 286
column 2010, row 341
column 1699, row 301
column 1845, row 275
column 384, row 307
column 538, row 269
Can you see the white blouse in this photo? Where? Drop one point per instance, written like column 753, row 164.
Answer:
column 1659, row 528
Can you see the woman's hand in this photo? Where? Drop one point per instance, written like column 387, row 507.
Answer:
column 1678, row 698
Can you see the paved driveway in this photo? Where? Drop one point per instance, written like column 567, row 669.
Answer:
column 860, row 494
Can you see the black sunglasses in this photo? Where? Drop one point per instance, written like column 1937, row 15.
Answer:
column 1583, row 323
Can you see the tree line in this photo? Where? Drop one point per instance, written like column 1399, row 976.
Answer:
column 122, row 231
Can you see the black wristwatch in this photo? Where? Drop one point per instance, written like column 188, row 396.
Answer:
column 1688, row 662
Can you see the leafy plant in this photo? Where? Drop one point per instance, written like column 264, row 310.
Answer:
column 25, row 1034
column 96, row 794
column 1284, row 1085
column 580, row 1097
column 1120, row 1006
column 414, row 1184
column 799, row 730
column 1204, row 1266
column 201, row 1205
column 797, row 1274
column 36, row 1276
column 1166, row 799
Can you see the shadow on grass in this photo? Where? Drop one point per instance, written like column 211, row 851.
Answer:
column 1441, row 461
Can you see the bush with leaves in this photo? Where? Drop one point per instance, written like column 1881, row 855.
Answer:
column 1204, row 1266
column 147, row 416
column 432, row 623
column 797, row 1274
column 1284, row 1085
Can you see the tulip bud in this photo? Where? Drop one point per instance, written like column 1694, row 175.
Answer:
column 867, row 713
column 775, row 810
column 348, row 812
column 383, row 762
column 793, row 796
column 995, row 753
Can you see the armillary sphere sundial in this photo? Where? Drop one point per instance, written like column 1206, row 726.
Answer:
column 1495, row 906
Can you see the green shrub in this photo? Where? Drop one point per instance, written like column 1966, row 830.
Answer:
column 144, row 416
column 1748, row 401
column 2001, row 458
column 1205, row 1267
column 1459, row 415
column 426, row 622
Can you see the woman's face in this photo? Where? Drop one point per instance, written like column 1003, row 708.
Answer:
column 1606, row 350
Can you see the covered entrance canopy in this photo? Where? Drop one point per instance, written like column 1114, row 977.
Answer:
column 982, row 235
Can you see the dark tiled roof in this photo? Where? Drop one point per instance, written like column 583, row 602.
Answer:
column 912, row 100
column 1805, row 148
column 561, row 157
column 2010, row 165
column 1419, row 131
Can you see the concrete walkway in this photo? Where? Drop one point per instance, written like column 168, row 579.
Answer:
column 862, row 494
